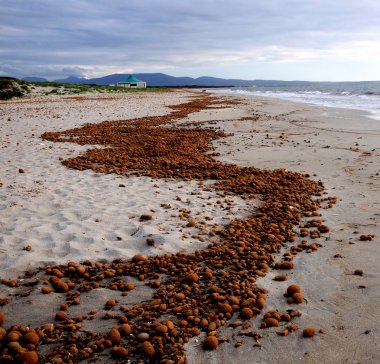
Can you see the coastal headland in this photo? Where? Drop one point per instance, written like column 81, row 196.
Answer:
column 134, row 226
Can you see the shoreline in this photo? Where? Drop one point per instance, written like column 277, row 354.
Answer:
column 274, row 118
column 371, row 113
column 349, row 171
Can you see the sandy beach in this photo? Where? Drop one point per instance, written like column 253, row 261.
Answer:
column 52, row 214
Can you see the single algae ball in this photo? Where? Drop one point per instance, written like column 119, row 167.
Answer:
column 308, row 332
column 210, row 343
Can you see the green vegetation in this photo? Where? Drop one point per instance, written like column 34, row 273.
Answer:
column 64, row 89
column 12, row 87
column 9, row 88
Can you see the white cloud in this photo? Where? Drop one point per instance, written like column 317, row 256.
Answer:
column 87, row 37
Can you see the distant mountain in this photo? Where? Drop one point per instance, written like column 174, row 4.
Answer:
column 35, row 79
column 161, row 79
column 73, row 80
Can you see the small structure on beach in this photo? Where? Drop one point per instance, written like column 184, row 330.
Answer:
column 132, row 82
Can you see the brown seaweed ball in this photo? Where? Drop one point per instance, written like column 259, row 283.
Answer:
column 119, row 352
column 234, row 300
column 139, row 258
column 180, row 296
column 13, row 336
column 292, row 289
column 297, row 298
column 143, row 336
column 210, row 343
column 285, row 317
column 61, row 315
column 284, row 265
column 81, row 269
column 208, row 274
column 3, row 333
column 2, row 318
column 14, row 346
column 129, row 286
column 114, row 336
column 146, row 217
column 359, row 272
column 148, row 349
column 46, row 290
column 162, row 329
column 27, row 357
column 246, row 313
column 271, row 322
column 150, row 241
column 109, row 304
column 226, row 308
column 169, row 325
column 191, row 223
column 308, row 332
column 31, row 338
column 365, row 237
column 280, row 277
column 260, row 303
column 323, row 229
column 125, row 329
column 192, row 278
column 61, row 287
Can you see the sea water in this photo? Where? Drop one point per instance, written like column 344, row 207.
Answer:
column 348, row 95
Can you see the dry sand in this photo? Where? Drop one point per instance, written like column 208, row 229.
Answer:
column 70, row 215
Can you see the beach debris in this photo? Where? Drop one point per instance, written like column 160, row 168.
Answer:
column 292, row 289
column 308, row 331
column 109, row 304
column 246, row 313
column 296, row 298
column 61, row 315
column 280, row 277
column 293, row 293
column 359, row 272
column 198, row 291
column 46, row 290
column 284, row 265
column 119, row 352
column 274, row 317
column 148, row 349
column 139, row 258
column 114, row 336
column 28, row 357
column 146, row 217
column 150, row 241
column 21, row 170
column 125, row 329
column 210, row 343
column 366, row 237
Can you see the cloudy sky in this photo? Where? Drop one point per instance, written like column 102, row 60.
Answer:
column 251, row 39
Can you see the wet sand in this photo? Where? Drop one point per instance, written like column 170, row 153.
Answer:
column 267, row 134
column 342, row 148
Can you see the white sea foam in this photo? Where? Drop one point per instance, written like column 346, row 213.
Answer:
column 341, row 99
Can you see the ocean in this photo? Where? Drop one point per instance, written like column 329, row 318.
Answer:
column 348, row 95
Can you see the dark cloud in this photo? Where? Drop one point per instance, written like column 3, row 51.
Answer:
column 49, row 38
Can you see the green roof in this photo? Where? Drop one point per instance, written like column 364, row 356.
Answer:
column 132, row 79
